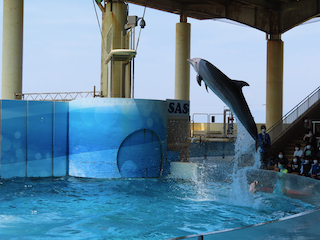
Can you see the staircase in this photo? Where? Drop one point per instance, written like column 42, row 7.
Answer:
column 289, row 130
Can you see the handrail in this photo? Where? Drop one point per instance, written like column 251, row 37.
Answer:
column 283, row 123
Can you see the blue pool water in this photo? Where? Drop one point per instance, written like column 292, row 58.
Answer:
column 76, row 208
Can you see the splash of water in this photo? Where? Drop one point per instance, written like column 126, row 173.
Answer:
column 233, row 173
column 246, row 158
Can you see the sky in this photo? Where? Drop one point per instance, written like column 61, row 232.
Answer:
column 62, row 50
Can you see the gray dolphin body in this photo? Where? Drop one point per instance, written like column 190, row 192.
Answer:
column 229, row 91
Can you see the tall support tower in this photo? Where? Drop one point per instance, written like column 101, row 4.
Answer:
column 117, row 49
column 274, row 96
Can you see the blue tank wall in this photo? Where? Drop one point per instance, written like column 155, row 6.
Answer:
column 113, row 138
column 99, row 138
column 33, row 138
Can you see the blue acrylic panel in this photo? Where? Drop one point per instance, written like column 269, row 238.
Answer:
column 60, row 139
column 140, row 155
column 98, row 127
column 40, row 139
column 92, row 152
column 13, row 138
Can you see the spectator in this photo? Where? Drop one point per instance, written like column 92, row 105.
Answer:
column 310, row 138
column 308, row 151
column 282, row 169
column 264, row 143
column 307, row 123
column 297, row 151
column 295, row 166
column 306, row 167
column 315, row 169
column 282, row 160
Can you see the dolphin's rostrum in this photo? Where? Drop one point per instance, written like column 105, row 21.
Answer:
column 229, row 91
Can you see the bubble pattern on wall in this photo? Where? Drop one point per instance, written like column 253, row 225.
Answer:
column 114, row 137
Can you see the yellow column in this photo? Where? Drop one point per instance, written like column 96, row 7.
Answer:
column 182, row 89
column 182, row 67
column 274, row 80
column 113, row 20
column 12, row 40
column 128, row 80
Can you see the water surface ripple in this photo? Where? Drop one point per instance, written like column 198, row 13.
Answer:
column 76, row 208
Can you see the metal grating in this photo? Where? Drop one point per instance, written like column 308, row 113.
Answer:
column 61, row 96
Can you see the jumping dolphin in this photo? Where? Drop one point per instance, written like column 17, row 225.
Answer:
column 229, row 91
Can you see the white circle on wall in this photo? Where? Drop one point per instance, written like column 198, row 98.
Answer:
column 37, row 156
column 17, row 135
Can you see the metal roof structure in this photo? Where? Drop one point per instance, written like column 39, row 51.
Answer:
column 269, row 16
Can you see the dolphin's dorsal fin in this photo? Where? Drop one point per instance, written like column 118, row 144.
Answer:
column 240, row 84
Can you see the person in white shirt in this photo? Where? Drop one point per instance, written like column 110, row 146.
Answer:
column 297, row 151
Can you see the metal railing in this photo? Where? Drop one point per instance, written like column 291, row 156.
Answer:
column 282, row 124
column 207, row 131
column 62, row 96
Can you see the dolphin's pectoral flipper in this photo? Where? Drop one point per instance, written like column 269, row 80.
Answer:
column 240, row 84
column 207, row 87
column 199, row 79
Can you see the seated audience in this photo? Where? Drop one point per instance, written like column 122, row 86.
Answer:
column 282, row 168
column 297, row 151
column 308, row 151
column 295, row 166
column 315, row 169
column 310, row 138
column 306, row 167
column 282, row 160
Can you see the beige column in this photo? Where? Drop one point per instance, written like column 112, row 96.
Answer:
column 274, row 96
column 12, row 41
column 112, row 74
column 179, row 127
column 182, row 67
column 128, row 80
